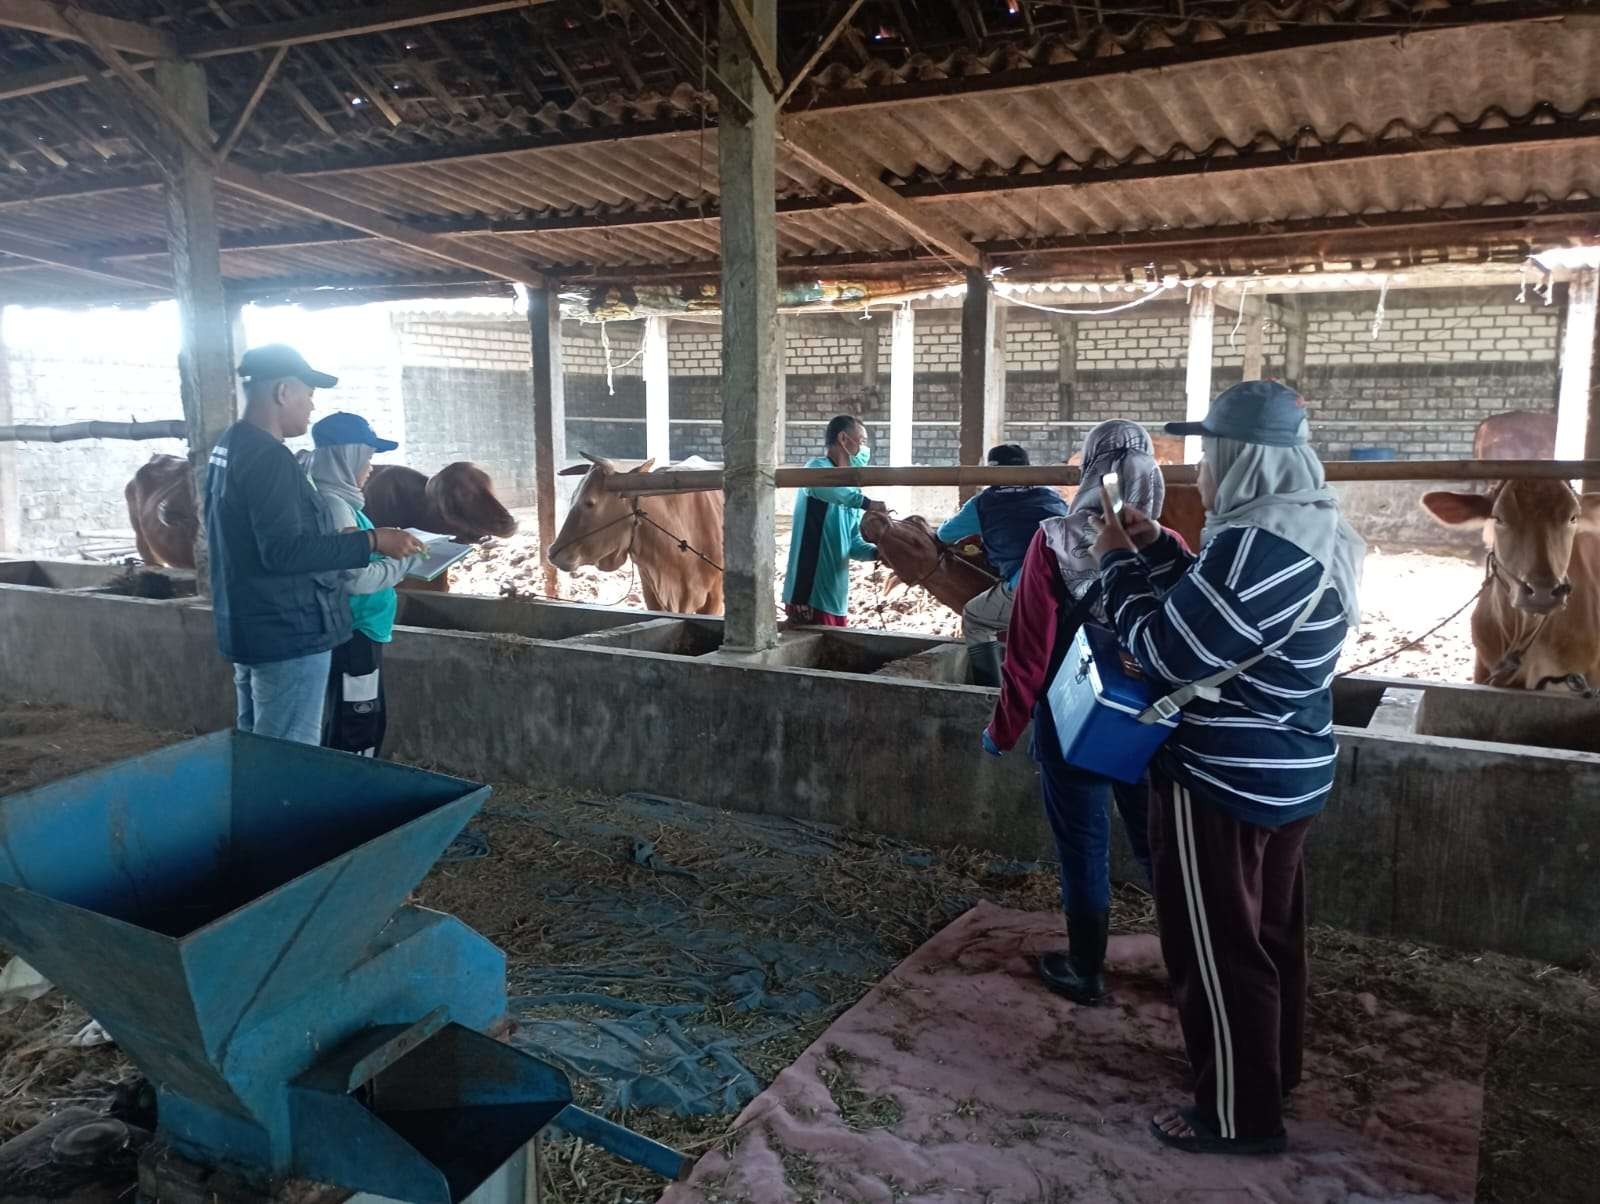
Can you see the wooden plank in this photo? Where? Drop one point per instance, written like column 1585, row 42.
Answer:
column 59, row 257
column 1066, row 366
column 73, row 23
column 205, row 350
column 1197, row 374
column 978, row 399
column 1294, row 343
column 549, row 419
column 751, row 348
column 970, row 477
column 263, row 82
column 1591, row 446
column 1573, row 392
column 758, row 46
column 657, row 402
column 844, row 169
column 902, row 385
column 344, row 23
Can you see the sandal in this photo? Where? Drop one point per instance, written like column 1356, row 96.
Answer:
column 1204, row 1140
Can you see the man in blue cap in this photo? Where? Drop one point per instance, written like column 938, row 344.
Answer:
column 275, row 556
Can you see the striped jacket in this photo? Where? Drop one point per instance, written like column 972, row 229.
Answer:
column 1265, row 750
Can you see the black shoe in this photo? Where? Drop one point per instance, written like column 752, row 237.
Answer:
column 1079, row 974
column 983, row 663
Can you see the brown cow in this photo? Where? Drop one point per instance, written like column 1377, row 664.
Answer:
column 457, row 501
column 662, row 534
column 1515, row 435
column 162, row 511
column 1537, row 617
column 916, row 556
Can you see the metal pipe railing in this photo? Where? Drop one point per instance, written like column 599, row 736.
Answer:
column 698, row 480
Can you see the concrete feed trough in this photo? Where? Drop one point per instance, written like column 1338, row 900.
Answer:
column 1461, row 815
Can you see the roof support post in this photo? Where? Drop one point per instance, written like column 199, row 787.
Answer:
column 657, row 404
column 205, row 354
column 1294, row 342
column 751, row 346
column 1576, row 420
column 902, row 383
column 549, row 418
column 1591, row 442
column 10, row 498
column 1255, row 332
column 1197, row 379
column 982, row 379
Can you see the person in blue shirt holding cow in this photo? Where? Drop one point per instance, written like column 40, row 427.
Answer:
column 1006, row 517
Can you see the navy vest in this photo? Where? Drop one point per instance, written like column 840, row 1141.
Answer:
column 1009, row 515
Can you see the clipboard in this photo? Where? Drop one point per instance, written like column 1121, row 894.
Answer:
column 442, row 553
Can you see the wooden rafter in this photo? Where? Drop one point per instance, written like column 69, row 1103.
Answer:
column 263, row 82
column 68, row 21
column 840, row 18
column 347, row 23
column 57, row 257
column 843, row 168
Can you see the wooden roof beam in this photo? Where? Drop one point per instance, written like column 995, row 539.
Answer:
column 761, row 53
column 72, row 23
column 56, row 257
column 345, row 23
column 844, row 169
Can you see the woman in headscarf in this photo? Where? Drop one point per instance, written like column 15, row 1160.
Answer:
column 1057, row 590
column 1250, row 765
column 356, row 715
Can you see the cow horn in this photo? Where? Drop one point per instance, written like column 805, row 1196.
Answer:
column 589, row 456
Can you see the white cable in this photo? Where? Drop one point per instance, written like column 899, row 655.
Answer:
column 1377, row 316
column 1085, row 313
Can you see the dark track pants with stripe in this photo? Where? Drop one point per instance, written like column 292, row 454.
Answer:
column 1231, row 903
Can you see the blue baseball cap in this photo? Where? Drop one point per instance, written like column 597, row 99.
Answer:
column 1254, row 411
column 337, row 430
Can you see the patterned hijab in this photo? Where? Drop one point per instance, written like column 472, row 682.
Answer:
column 1126, row 449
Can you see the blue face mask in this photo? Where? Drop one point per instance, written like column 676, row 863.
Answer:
column 862, row 458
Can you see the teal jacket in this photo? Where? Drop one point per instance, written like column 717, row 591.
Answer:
column 825, row 539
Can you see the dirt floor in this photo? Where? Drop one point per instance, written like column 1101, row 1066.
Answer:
column 607, row 904
column 1403, row 595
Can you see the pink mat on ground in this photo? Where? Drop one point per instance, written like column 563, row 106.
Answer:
column 958, row 1078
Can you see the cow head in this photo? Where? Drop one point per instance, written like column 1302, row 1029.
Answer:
column 463, row 495
column 1529, row 527
column 599, row 527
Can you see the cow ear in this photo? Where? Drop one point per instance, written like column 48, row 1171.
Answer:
column 1589, row 516
column 647, row 465
column 574, row 470
column 1458, row 509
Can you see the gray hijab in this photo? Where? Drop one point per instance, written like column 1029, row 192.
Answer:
column 1284, row 490
column 335, row 471
column 1116, row 446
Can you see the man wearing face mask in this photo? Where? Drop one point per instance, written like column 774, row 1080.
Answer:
column 276, row 555
column 827, row 533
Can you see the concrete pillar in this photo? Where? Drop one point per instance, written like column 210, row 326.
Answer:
column 657, row 410
column 1575, row 416
column 982, row 383
column 1197, row 379
column 751, row 348
column 780, row 433
column 10, row 498
column 1294, row 342
column 868, row 330
column 902, row 381
column 1255, row 337
column 205, row 352
column 549, row 419
column 1066, row 367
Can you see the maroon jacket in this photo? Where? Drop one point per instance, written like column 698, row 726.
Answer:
column 1030, row 639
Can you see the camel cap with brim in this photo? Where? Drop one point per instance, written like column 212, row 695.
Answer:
column 277, row 361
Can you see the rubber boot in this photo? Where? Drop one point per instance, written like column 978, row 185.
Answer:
column 1079, row 974
column 983, row 662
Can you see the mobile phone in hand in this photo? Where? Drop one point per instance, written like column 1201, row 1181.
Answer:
column 1111, row 491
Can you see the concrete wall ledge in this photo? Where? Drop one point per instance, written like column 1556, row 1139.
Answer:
column 1438, row 838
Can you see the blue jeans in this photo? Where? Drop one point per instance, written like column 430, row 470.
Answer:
column 283, row 699
column 1077, row 804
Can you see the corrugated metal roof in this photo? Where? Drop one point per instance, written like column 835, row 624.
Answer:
column 1471, row 117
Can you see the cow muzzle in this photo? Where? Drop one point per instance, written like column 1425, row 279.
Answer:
column 1540, row 599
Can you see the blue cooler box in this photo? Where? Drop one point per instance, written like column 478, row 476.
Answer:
column 1096, row 699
